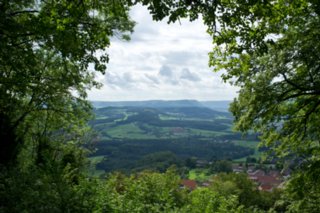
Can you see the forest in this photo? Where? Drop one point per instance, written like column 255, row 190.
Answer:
column 127, row 135
column 49, row 62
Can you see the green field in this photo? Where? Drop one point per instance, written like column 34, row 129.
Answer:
column 199, row 175
column 128, row 134
column 251, row 144
column 92, row 168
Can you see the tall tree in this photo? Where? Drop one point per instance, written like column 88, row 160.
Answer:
column 270, row 50
column 49, row 51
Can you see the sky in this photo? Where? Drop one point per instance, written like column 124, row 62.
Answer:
column 161, row 62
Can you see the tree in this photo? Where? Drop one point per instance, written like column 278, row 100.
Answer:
column 238, row 185
column 206, row 200
column 143, row 192
column 48, row 55
column 269, row 49
column 221, row 166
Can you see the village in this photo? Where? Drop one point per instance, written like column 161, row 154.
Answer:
column 264, row 179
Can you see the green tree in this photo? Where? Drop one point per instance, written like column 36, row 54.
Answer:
column 238, row 185
column 143, row 192
column 269, row 49
column 205, row 200
column 48, row 55
column 221, row 166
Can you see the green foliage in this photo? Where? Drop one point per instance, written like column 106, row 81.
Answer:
column 269, row 49
column 199, row 174
column 53, row 188
column 279, row 82
column 191, row 162
column 240, row 186
column 158, row 161
column 221, row 166
column 128, row 134
column 303, row 190
column 206, row 200
column 154, row 192
column 236, row 184
column 127, row 154
column 45, row 52
column 144, row 192
column 47, row 63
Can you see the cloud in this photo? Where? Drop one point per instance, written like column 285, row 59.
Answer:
column 162, row 62
column 152, row 79
column 165, row 71
column 124, row 80
column 187, row 75
column 168, row 76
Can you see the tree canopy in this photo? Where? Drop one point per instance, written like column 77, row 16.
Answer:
column 50, row 50
column 270, row 50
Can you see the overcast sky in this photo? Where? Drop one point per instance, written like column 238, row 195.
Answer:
column 161, row 61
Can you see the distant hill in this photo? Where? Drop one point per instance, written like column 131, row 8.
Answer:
column 215, row 105
column 132, row 136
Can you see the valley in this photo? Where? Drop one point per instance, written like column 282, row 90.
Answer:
column 154, row 136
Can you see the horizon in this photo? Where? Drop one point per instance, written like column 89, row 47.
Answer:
column 159, row 100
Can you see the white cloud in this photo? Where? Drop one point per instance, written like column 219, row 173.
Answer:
column 165, row 71
column 187, row 75
column 161, row 62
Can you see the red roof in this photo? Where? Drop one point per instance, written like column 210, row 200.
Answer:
column 265, row 187
column 258, row 172
column 191, row 184
column 264, row 179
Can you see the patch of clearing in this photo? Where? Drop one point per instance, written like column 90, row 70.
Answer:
column 251, row 144
column 199, row 175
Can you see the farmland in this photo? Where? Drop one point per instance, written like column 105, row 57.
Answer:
column 142, row 137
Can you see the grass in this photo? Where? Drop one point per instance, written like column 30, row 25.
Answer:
column 199, row 174
column 207, row 133
column 128, row 131
column 183, row 118
column 250, row 144
column 92, row 168
column 133, row 131
column 168, row 117
column 96, row 159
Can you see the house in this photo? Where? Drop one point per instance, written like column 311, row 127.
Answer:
column 237, row 169
column 265, row 187
column 266, row 181
column 274, row 173
column 206, row 184
column 258, row 172
column 188, row 184
column 269, row 180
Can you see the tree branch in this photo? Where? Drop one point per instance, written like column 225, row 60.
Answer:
column 22, row 12
column 292, row 83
